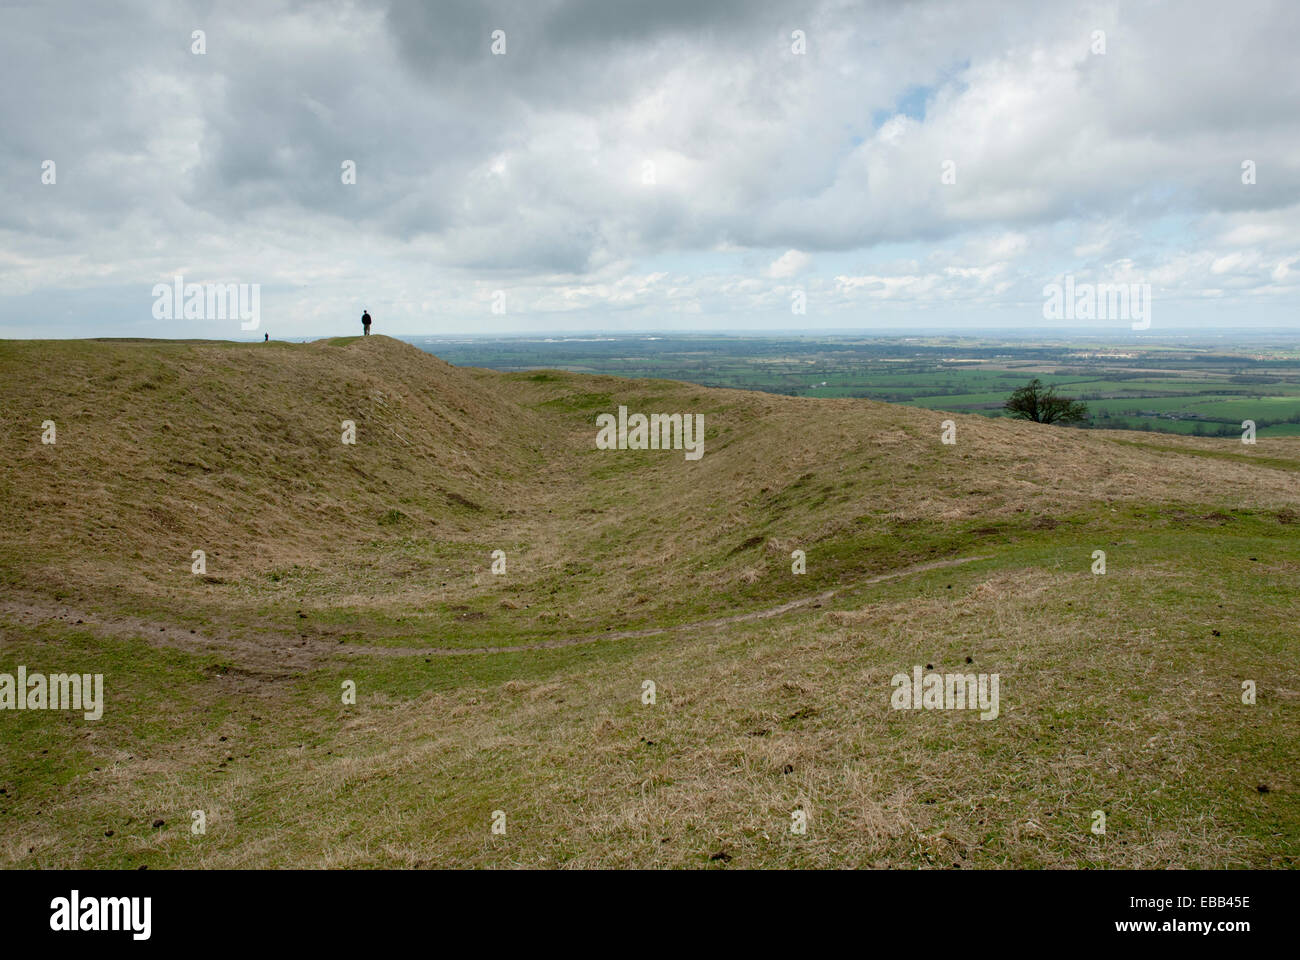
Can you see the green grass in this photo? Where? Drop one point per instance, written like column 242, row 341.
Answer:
column 1276, row 463
column 1150, row 711
column 1121, row 692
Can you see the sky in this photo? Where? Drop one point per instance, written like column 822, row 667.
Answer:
column 678, row 165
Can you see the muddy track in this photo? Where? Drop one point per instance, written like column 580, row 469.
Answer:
column 268, row 656
column 277, row 657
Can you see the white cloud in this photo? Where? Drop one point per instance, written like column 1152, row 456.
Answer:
column 789, row 264
column 527, row 171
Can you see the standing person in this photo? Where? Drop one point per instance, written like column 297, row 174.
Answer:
column 365, row 322
column 266, row 338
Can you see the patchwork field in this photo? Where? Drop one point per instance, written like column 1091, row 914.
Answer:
column 518, row 699
column 1202, row 389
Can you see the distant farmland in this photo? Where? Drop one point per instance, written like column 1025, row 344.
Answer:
column 1203, row 390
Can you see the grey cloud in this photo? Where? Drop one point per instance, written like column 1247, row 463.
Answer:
column 530, row 163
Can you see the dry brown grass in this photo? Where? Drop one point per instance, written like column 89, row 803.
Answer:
column 1114, row 696
column 168, row 448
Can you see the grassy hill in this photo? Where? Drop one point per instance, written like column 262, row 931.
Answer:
column 370, row 563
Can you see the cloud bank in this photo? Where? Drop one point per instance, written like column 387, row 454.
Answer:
column 667, row 165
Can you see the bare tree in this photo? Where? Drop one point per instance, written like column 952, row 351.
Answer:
column 1041, row 404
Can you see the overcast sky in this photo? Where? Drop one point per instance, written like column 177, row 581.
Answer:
column 667, row 165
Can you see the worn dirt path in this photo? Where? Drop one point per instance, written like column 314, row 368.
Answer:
column 272, row 656
column 814, row 600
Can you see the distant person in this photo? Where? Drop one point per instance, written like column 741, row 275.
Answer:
column 266, row 338
column 365, row 323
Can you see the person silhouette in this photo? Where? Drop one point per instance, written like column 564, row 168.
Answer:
column 266, row 337
column 365, row 322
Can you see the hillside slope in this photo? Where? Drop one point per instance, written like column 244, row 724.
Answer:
column 165, row 448
column 371, row 563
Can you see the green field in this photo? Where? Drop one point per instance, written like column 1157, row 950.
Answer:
column 1196, row 389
